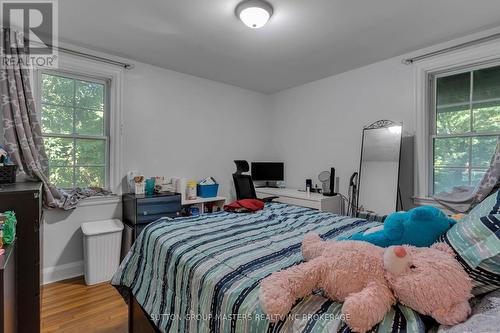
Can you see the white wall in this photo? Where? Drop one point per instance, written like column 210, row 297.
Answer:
column 63, row 242
column 180, row 125
column 174, row 125
column 318, row 125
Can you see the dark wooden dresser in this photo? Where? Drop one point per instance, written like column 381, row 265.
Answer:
column 140, row 210
column 8, row 290
column 25, row 199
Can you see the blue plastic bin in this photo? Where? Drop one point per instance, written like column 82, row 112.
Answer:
column 207, row 191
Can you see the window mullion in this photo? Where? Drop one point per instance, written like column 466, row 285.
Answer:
column 450, row 167
column 433, row 130
column 469, row 169
column 465, row 135
column 70, row 136
column 74, row 133
column 471, row 96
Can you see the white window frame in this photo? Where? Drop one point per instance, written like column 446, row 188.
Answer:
column 433, row 77
column 76, row 76
column 113, row 76
column 486, row 55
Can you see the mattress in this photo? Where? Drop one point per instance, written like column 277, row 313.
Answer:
column 202, row 274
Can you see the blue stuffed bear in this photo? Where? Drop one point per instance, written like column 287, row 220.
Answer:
column 419, row 227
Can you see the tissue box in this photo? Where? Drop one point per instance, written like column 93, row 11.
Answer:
column 207, row 191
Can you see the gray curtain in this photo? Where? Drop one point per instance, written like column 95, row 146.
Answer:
column 463, row 198
column 22, row 132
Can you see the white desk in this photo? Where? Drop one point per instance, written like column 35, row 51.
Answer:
column 200, row 202
column 299, row 198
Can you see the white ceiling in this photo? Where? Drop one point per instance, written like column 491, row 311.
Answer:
column 305, row 40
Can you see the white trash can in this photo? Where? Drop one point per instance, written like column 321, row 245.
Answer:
column 101, row 249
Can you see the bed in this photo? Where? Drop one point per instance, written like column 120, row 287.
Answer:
column 201, row 274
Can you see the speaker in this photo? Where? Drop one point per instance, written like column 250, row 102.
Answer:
column 332, row 184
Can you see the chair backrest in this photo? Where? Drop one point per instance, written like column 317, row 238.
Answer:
column 243, row 185
column 241, row 166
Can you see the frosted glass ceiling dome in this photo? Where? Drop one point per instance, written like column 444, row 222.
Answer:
column 254, row 13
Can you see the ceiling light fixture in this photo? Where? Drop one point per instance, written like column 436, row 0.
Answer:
column 254, row 13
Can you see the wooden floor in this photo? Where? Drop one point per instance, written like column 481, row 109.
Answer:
column 71, row 306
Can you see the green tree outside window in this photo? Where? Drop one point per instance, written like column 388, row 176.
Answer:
column 467, row 126
column 73, row 113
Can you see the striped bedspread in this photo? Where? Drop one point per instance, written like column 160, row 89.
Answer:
column 202, row 274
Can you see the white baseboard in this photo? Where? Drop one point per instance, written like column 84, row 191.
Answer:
column 62, row 272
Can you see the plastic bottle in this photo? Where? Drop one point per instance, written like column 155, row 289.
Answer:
column 191, row 190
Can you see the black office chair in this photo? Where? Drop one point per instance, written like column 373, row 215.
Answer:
column 243, row 184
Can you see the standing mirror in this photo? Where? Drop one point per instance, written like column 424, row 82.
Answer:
column 379, row 167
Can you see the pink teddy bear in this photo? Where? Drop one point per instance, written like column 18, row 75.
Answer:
column 369, row 279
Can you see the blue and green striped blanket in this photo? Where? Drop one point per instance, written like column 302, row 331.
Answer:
column 202, row 274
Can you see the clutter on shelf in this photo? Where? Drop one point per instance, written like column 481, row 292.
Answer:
column 7, row 168
column 191, row 193
column 208, row 188
column 140, row 186
column 163, row 184
column 150, row 186
column 7, row 229
column 208, row 181
column 194, row 211
column 188, row 189
column 4, row 157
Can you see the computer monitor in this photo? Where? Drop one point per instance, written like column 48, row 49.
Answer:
column 268, row 171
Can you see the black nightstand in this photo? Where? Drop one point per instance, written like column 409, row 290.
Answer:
column 140, row 210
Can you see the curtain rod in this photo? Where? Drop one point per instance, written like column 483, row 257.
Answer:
column 93, row 57
column 481, row 40
column 82, row 54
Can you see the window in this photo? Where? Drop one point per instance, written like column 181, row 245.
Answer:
column 465, row 126
column 74, row 112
